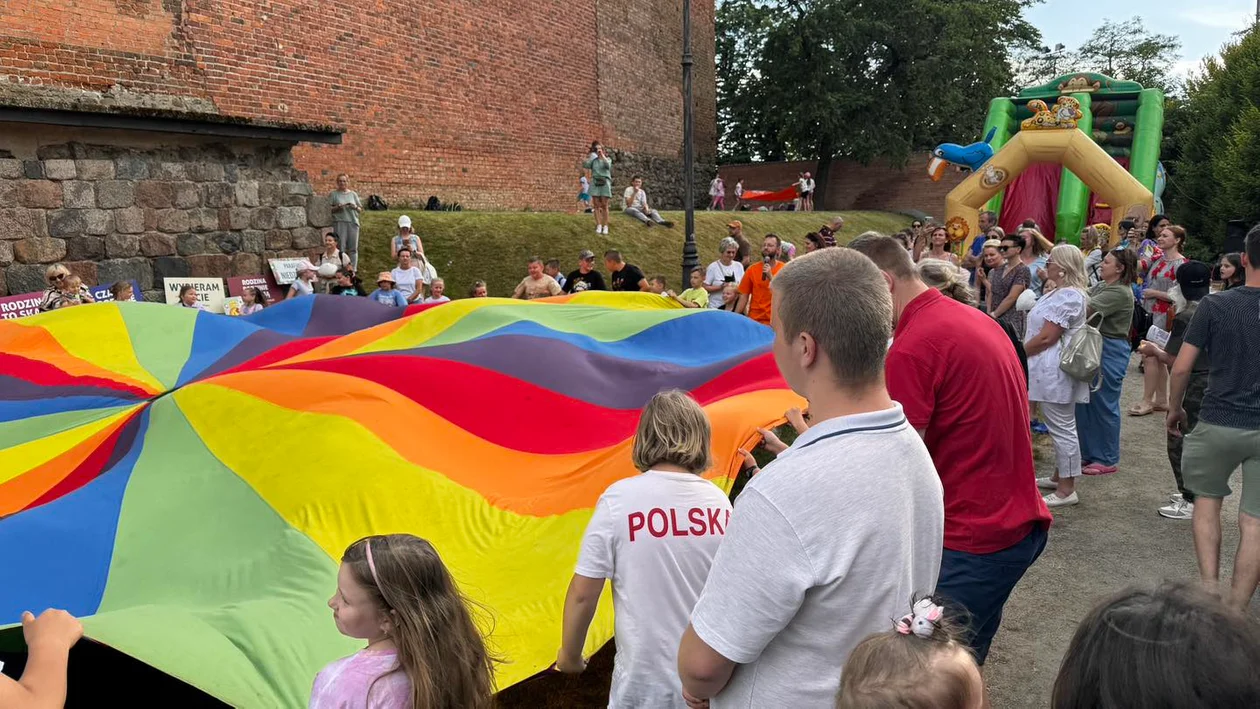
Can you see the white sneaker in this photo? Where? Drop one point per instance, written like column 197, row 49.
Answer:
column 1047, row 484
column 605, row 230
column 1053, row 500
column 1178, row 510
column 1175, row 497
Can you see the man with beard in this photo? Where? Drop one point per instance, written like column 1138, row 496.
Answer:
column 754, row 289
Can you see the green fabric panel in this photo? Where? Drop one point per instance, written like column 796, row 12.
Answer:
column 161, row 337
column 209, row 584
column 13, row 433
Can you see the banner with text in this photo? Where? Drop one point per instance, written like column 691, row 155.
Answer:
column 102, row 294
column 237, row 285
column 19, row 306
column 209, row 291
column 285, row 269
column 23, row 304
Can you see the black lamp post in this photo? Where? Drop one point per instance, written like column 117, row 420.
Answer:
column 691, row 257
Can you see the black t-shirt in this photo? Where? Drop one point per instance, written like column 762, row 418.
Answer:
column 576, row 282
column 628, row 278
column 1227, row 327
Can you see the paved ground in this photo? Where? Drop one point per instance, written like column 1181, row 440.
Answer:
column 1114, row 538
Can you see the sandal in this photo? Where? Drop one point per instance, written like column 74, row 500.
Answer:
column 1143, row 409
column 1160, row 408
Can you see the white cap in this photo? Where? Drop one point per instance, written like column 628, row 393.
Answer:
column 404, row 221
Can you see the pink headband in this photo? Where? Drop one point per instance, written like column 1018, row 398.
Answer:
column 371, row 564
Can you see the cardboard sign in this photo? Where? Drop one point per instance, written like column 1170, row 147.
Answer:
column 209, row 291
column 237, row 285
column 285, row 269
column 19, row 306
column 102, row 294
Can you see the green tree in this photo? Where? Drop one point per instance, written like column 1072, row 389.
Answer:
column 862, row 79
column 1128, row 50
column 1212, row 148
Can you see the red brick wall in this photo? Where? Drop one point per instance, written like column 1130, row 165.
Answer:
column 879, row 186
column 491, row 104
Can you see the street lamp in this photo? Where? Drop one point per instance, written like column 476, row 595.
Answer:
column 691, row 257
column 1054, row 55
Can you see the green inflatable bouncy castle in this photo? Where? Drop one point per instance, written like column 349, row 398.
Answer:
column 1124, row 119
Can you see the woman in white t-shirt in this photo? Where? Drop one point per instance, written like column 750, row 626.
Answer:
column 654, row 535
column 411, row 278
column 302, row 285
column 723, row 271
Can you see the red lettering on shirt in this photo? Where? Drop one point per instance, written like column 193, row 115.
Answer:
column 633, row 518
column 659, row 523
column 716, row 527
column 673, row 524
column 698, row 526
column 651, row 516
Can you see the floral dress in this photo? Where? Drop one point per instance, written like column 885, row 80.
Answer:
column 1001, row 281
column 1162, row 276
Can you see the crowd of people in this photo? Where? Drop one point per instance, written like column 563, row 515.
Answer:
column 899, row 609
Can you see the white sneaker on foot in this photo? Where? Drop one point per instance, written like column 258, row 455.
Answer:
column 1178, row 510
column 1175, row 497
column 1053, row 500
column 1047, row 483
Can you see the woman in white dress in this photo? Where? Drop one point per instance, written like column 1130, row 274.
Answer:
column 1051, row 324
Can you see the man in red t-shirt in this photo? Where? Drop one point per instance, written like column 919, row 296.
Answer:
column 956, row 375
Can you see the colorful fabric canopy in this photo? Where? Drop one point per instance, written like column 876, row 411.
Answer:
column 187, row 482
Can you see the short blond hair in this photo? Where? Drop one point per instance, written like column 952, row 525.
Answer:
column 839, row 297
column 53, row 270
column 1072, row 261
column 948, row 279
column 673, row 430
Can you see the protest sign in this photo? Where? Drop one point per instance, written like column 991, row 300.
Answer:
column 209, row 291
column 237, row 285
column 19, row 306
column 102, row 294
column 232, row 306
column 285, row 269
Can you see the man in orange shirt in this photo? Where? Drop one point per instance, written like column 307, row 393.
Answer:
column 754, row 290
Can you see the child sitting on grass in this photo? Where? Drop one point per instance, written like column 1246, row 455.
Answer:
column 920, row 664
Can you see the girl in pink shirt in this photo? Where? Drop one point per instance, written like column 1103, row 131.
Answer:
column 423, row 649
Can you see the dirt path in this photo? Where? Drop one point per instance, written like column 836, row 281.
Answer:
column 1114, row 538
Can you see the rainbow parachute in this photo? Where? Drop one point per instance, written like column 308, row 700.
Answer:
column 186, row 482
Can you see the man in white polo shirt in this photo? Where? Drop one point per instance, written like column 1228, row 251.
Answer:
column 835, row 537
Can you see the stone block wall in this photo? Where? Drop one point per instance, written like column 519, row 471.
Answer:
column 114, row 212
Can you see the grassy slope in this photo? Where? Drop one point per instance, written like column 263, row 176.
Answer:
column 495, row 247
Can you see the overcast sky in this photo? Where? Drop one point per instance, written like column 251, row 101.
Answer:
column 1202, row 25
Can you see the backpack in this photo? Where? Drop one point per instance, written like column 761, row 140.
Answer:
column 376, row 204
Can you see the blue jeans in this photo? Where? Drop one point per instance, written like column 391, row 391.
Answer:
column 976, row 586
column 1098, row 422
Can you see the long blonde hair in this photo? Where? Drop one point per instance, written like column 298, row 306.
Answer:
column 1070, row 259
column 440, row 647
column 1037, row 242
